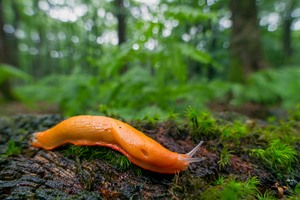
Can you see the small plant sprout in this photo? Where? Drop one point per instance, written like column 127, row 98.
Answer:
column 151, row 119
column 232, row 189
column 267, row 195
column 172, row 115
column 281, row 155
column 207, row 123
column 277, row 155
column 192, row 115
column 202, row 124
column 234, row 131
column 12, row 149
column 240, row 190
column 225, row 157
column 219, row 181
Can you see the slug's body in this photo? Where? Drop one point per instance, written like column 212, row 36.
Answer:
column 104, row 131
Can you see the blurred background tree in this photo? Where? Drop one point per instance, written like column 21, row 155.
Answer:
column 8, row 53
column 148, row 56
column 247, row 56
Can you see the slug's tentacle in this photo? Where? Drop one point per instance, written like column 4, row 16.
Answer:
column 194, row 150
column 189, row 158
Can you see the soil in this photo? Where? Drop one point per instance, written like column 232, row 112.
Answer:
column 32, row 173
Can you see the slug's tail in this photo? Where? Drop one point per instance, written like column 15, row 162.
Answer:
column 189, row 158
column 33, row 141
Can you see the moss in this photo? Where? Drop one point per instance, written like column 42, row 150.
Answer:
column 285, row 130
column 225, row 157
column 219, row 181
column 90, row 153
column 152, row 119
column 267, row 195
column 232, row 189
column 12, row 148
column 201, row 125
column 278, row 155
column 185, row 186
column 234, row 131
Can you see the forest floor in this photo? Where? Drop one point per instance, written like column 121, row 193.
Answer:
column 30, row 173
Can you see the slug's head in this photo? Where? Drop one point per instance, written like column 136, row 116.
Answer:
column 185, row 159
column 169, row 163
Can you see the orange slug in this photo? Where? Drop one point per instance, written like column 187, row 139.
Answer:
column 104, row 131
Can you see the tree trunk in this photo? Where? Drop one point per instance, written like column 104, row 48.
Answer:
column 120, row 14
column 6, row 57
column 246, row 51
column 287, row 32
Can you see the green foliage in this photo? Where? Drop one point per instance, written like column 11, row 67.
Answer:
column 12, row 148
column 297, row 189
column 114, row 60
column 187, row 13
column 74, row 93
column 231, row 189
column 134, row 95
column 270, row 87
column 9, row 72
column 146, row 79
column 277, row 155
column 195, row 54
column 165, row 63
column 295, row 113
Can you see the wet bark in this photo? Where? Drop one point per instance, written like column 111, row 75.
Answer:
column 32, row 173
column 40, row 174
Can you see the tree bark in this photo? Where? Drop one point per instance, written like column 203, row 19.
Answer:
column 246, row 50
column 34, row 173
column 27, row 172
